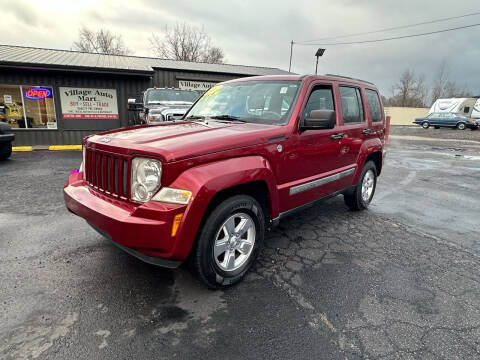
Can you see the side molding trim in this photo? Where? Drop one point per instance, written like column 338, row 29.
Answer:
column 319, row 182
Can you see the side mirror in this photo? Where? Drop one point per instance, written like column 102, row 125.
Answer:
column 319, row 119
column 134, row 106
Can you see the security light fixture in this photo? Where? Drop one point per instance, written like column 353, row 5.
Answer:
column 319, row 53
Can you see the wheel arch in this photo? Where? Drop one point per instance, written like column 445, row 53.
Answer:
column 250, row 175
column 371, row 150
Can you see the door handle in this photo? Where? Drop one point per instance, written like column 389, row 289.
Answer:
column 367, row 131
column 337, row 136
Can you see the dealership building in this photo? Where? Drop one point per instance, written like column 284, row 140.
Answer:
column 55, row 97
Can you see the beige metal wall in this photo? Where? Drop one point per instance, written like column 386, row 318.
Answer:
column 404, row 115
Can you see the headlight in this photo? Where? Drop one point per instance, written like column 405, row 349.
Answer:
column 155, row 117
column 175, row 196
column 146, row 175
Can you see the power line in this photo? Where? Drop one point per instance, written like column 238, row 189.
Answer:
column 391, row 38
column 391, row 28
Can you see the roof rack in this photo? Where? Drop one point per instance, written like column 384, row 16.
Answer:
column 351, row 78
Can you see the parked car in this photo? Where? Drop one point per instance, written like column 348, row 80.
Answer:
column 6, row 139
column 248, row 153
column 438, row 120
column 163, row 104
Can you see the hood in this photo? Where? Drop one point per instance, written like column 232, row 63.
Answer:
column 174, row 141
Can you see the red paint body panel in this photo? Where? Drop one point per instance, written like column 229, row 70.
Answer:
column 209, row 159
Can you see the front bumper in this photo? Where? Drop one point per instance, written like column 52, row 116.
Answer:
column 143, row 230
column 153, row 260
column 4, row 138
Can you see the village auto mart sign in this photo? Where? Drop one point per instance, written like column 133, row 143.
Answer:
column 195, row 85
column 88, row 103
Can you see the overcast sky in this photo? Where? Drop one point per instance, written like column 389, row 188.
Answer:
column 259, row 32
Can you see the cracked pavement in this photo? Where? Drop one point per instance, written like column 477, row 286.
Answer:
column 399, row 281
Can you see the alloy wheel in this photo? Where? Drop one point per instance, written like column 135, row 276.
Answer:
column 368, row 184
column 234, row 242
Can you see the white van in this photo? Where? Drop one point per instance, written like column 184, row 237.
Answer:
column 460, row 106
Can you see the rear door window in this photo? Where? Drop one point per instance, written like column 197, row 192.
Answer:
column 374, row 105
column 352, row 107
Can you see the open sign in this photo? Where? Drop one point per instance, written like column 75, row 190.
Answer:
column 38, row 93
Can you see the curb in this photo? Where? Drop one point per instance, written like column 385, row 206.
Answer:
column 22, row 148
column 47, row 147
column 64, row 147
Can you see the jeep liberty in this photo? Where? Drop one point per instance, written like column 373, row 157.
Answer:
column 204, row 189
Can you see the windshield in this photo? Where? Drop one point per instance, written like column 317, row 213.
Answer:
column 156, row 95
column 263, row 102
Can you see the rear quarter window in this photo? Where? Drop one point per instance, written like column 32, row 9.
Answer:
column 374, row 107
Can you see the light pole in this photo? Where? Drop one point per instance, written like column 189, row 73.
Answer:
column 291, row 53
column 318, row 54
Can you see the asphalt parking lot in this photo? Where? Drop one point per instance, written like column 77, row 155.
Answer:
column 399, row 281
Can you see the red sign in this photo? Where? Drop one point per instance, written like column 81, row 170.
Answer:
column 90, row 116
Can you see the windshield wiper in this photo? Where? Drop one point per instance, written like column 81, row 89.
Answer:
column 193, row 117
column 227, row 117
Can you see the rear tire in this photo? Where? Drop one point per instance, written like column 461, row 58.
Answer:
column 425, row 124
column 225, row 249
column 363, row 192
column 5, row 150
column 461, row 126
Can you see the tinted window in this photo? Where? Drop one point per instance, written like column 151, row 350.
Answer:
column 351, row 105
column 466, row 110
column 159, row 95
column 321, row 98
column 374, row 105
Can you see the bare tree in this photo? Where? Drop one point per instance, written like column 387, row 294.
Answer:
column 443, row 87
column 187, row 43
column 410, row 91
column 102, row 41
column 440, row 81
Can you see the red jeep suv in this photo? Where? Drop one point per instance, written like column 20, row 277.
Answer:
column 249, row 152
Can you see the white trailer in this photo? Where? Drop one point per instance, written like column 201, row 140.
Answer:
column 476, row 110
column 461, row 106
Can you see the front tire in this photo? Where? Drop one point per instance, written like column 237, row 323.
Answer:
column 425, row 125
column 461, row 126
column 363, row 192
column 229, row 242
column 5, row 150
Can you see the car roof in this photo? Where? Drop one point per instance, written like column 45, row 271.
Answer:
column 327, row 77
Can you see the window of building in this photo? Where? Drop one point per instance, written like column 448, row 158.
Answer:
column 27, row 106
column 374, row 105
column 352, row 107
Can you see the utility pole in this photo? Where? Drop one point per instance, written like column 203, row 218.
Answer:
column 291, row 52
